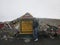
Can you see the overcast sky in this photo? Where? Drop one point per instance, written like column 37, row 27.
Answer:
column 12, row 9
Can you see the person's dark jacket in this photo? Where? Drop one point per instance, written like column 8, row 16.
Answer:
column 35, row 24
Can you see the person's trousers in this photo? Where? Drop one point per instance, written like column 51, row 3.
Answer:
column 35, row 33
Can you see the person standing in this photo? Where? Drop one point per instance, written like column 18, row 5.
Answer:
column 35, row 30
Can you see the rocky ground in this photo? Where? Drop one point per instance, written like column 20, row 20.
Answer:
column 41, row 41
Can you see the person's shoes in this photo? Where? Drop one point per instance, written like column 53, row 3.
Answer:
column 36, row 39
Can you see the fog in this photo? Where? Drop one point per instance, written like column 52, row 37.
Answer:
column 12, row 9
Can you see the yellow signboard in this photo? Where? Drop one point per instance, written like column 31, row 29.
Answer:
column 26, row 27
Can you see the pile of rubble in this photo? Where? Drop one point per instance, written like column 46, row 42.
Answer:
column 6, row 30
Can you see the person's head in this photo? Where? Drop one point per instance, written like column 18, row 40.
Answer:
column 34, row 19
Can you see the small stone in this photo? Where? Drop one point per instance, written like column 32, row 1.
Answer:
column 27, row 40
